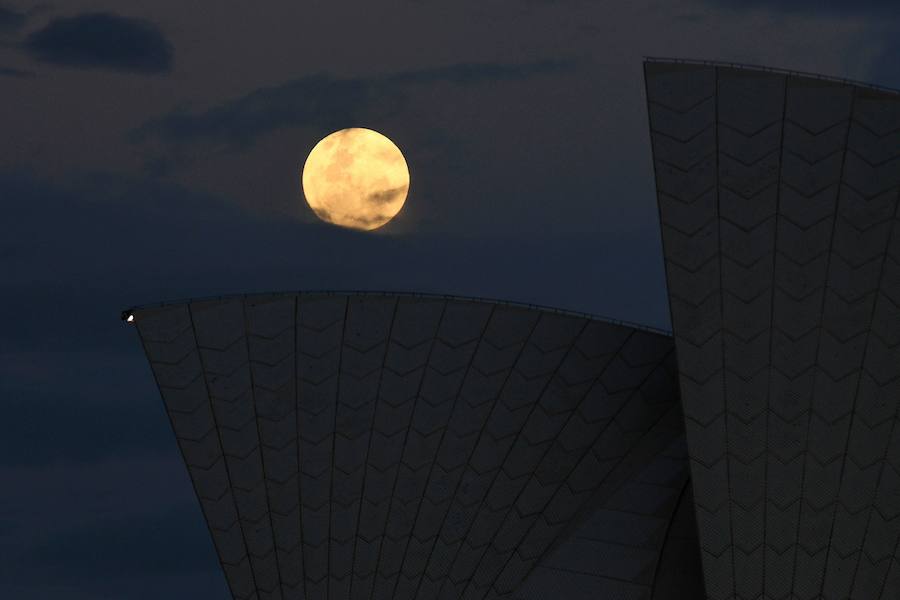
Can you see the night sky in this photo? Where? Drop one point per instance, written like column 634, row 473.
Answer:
column 151, row 151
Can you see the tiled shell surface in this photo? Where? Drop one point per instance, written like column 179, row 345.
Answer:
column 385, row 446
column 778, row 203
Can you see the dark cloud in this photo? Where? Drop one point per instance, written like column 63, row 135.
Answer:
column 472, row 73
column 386, row 196
column 880, row 7
column 323, row 102
column 102, row 41
column 365, row 221
column 329, row 103
column 16, row 73
column 11, row 20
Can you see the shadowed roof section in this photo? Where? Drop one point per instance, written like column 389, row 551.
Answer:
column 778, row 199
column 405, row 446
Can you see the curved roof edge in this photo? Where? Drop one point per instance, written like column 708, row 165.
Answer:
column 573, row 313
column 764, row 68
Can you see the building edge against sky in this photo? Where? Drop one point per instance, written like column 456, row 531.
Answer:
column 778, row 201
column 411, row 446
column 778, row 195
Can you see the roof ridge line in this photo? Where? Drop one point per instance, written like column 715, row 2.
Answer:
column 406, row 294
column 768, row 69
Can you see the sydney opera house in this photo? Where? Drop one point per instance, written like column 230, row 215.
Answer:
column 403, row 446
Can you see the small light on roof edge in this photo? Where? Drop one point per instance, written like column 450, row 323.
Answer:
column 129, row 318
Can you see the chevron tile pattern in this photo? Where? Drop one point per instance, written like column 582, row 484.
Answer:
column 378, row 446
column 637, row 539
column 778, row 205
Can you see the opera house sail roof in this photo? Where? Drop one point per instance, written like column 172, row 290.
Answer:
column 778, row 205
column 407, row 446
column 403, row 446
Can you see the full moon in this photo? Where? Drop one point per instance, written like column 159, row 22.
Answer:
column 355, row 178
